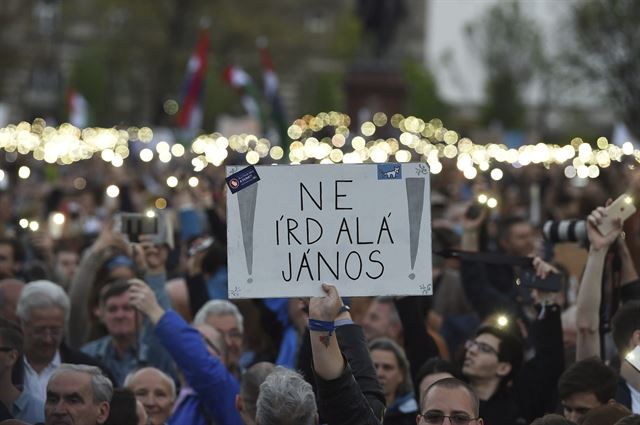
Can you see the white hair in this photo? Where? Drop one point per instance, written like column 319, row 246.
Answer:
column 285, row 399
column 218, row 308
column 101, row 386
column 42, row 294
column 131, row 376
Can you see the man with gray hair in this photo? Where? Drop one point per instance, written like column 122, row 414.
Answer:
column 226, row 318
column 43, row 310
column 78, row 395
column 286, row 399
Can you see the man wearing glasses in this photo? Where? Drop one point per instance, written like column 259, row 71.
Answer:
column 512, row 391
column 449, row 399
column 43, row 310
column 225, row 317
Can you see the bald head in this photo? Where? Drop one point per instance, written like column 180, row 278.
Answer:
column 10, row 290
column 155, row 390
column 151, row 374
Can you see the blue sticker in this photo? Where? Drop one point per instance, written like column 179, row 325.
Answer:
column 243, row 178
column 389, row 171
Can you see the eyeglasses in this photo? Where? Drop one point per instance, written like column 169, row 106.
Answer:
column 42, row 331
column 579, row 410
column 437, row 418
column 482, row 346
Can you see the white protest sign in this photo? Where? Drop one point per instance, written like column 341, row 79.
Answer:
column 365, row 228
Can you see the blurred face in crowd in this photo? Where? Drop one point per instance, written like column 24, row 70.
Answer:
column 70, row 401
column 440, row 401
column 577, row 405
column 481, row 358
column 152, row 389
column 377, row 322
column 227, row 325
column 7, row 261
column 67, row 263
column 388, row 370
column 121, row 272
column 429, row 380
column 118, row 316
column 214, row 342
column 157, row 254
column 520, row 240
column 8, row 358
column 10, row 290
column 43, row 334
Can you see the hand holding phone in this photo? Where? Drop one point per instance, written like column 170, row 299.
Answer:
column 622, row 208
column 135, row 224
column 633, row 357
column 551, row 283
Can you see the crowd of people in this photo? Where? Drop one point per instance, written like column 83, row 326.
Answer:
column 97, row 328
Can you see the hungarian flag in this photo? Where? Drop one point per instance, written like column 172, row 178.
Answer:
column 243, row 84
column 77, row 109
column 271, row 85
column 190, row 115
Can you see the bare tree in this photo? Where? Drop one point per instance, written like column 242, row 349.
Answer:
column 607, row 38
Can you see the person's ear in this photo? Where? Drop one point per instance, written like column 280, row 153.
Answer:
column 503, row 369
column 103, row 412
column 238, row 403
column 13, row 358
column 97, row 312
column 635, row 338
column 480, row 422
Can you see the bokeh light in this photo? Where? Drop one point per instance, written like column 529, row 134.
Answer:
column 113, row 191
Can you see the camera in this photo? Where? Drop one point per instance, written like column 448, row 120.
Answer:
column 566, row 231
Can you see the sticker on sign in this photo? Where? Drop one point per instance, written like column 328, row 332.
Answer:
column 361, row 227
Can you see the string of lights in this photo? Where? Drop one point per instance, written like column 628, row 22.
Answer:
column 324, row 138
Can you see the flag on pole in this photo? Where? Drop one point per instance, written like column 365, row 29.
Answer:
column 243, row 84
column 271, row 86
column 77, row 109
column 190, row 115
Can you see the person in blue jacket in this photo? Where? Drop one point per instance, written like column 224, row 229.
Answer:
column 210, row 389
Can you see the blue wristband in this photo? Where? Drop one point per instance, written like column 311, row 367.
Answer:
column 342, row 322
column 321, row 326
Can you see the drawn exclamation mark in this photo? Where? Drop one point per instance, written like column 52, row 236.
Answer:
column 247, row 206
column 415, row 201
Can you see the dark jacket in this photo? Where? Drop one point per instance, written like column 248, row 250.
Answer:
column 533, row 393
column 67, row 355
column 502, row 409
column 355, row 398
column 623, row 393
column 419, row 346
column 403, row 411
